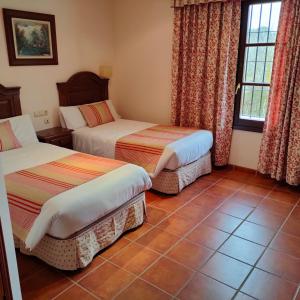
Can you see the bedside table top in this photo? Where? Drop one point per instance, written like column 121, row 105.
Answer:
column 53, row 132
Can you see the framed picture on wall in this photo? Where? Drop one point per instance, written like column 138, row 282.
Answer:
column 30, row 38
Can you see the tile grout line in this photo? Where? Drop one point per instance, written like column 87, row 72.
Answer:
column 187, row 202
column 74, row 283
column 88, row 291
column 58, row 272
column 213, row 183
column 135, row 275
column 267, row 247
column 60, row 293
column 163, row 254
column 156, row 226
column 215, row 250
column 232, row 234
column 105, row 260
column 133, row 241
column 164, row 219
column 108, row 260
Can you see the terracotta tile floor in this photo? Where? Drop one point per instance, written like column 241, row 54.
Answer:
column 229, row 235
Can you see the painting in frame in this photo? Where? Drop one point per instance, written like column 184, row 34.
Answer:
column 30, row 38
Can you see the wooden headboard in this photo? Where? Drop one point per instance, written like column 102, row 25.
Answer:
column 10, row 105
column 82, row 88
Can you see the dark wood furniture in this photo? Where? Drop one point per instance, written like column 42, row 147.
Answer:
column 10, row 105
column 58, row 136
column 82, row 88
column 5, row 286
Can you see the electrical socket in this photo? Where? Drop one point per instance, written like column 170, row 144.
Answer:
column 40, row 113
column 46, row 121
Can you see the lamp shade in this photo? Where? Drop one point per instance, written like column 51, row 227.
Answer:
column 105, row 71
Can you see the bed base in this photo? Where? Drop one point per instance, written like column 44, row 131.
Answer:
column 172, row 182
column 78, row 251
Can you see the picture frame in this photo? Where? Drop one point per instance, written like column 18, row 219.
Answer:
column 30, row 38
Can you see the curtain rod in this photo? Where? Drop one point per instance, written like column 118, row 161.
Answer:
column 173, row 5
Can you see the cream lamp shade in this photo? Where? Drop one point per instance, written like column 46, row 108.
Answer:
column 105, row 71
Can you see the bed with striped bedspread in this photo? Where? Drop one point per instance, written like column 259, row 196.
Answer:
column 28, row 190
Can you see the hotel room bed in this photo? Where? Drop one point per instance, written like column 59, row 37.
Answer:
column 76, row 224
column 182, row 161
column 101, row 140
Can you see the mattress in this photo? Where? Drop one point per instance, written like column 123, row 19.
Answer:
column 71, row 211
column 101, row 141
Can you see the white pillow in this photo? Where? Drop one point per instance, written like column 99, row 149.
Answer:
column 23, row 129
column 72, row 117
column 61, row 120
column 112, row 109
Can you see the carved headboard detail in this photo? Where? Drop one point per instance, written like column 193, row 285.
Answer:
column 10, row 105
column 82, row 88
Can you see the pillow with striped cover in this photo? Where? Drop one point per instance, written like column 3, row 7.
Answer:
column 8, row 140
column 96, row 113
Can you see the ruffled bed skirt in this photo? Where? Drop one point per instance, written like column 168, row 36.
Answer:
column 78, row 250
column 172, row 182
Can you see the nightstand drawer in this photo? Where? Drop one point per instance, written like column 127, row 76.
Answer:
column 63, row 141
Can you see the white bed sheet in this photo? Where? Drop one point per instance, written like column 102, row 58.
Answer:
column 101, row 141
column 70, row 211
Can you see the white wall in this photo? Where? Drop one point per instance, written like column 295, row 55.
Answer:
column 8, row 240
column 141, row 85
column 142, row 64
column 245, row 149
column 84, row 41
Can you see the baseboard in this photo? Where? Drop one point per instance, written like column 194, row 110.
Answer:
column 243, row 169
column 238, row 168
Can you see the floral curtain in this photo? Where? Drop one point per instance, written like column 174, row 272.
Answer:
column 205, row 50
column 280, row 148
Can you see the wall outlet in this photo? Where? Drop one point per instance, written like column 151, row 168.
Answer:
column 46, row 121
column 40, row 113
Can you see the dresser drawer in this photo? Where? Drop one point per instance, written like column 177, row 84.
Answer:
column 64, row 141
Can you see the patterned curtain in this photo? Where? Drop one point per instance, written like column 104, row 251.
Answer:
column 205, row 50
column 280, row 148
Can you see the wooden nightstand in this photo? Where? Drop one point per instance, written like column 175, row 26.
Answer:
column 56, row 136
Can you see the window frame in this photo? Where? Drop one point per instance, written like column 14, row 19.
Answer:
column 238, row 123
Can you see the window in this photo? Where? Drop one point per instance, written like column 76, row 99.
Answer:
column 259, row 24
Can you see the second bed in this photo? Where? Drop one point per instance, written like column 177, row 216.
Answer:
column 182, row 161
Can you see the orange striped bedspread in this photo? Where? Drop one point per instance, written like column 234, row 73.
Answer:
column 146, row 147
column 28, row 190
